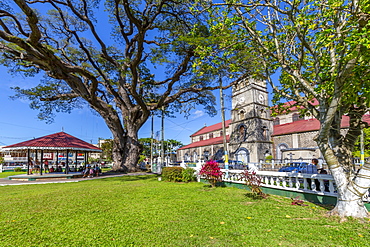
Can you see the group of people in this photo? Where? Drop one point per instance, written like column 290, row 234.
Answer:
column 87, row 171
column 91, row 171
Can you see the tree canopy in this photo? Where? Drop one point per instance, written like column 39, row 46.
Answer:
column 170, row 145
column 320, row 51
column 123, row 58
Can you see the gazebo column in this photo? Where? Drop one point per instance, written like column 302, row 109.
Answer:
column 36, row 159
column 42, row 161
column 57, row 161
column 76, row 161
column 28, row 161
column 66, row 171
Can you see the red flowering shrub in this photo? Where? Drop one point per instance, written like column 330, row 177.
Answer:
column 253, row 182
column 211, row 172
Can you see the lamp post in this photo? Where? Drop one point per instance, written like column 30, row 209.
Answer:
column 223, row 126
column 362, row 161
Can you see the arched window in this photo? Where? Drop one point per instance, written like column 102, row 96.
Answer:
column 242, row 155
column 264, row 132
column 276, row 121
column 280, row 149
column 242, row 132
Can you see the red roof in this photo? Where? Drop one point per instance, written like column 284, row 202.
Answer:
column 308, row 125
column 291, row 105
column 212, row 141
column 207, row 129
column 57, row 141
column 296, row 127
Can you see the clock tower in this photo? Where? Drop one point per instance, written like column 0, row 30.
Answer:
column 251, row 125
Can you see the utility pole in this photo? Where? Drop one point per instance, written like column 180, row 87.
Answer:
column 223, row 125
column 151, row 143
column 162, row 151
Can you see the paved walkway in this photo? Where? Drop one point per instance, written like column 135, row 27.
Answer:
column 5, row 181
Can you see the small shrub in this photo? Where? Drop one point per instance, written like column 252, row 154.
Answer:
column 172, row 174
column 18, row 169
column 253, row 182
column 298, row 202
column 188, row 174
column 212, row 172
column 268, row 159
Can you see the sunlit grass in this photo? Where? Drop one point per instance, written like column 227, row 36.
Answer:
column 141, row 211
column 7, row 174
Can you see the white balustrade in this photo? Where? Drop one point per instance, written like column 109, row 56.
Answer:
column 299, row 182
column 289, row 181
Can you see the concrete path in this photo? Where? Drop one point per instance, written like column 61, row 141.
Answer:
column 5, row 181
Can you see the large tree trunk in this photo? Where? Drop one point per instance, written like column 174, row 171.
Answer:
column 351, row 186
column 126, row 153
column 126, row 147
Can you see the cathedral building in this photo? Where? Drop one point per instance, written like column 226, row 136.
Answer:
column 248, row 133
column 252, row 134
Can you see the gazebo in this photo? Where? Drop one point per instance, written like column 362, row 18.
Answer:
column 58, row 142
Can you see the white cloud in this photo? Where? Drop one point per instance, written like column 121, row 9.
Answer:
column 198, row 113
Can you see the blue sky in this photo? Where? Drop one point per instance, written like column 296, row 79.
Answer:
column 18, row 122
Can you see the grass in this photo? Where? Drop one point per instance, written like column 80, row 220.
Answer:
column 141, row 211
column 7, row 174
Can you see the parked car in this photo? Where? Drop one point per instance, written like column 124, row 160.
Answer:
column 294, row 167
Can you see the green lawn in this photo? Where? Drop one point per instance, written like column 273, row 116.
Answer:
column 7, row 174
column 141, row 211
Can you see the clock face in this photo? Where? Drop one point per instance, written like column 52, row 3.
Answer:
column 241, row 99
column 261, row 98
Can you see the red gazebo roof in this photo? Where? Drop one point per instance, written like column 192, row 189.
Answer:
column 57, row 141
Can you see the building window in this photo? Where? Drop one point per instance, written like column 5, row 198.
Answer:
column 221, row 133
column 241, row 115
column 276, row 121
column 264, row 133
column 210, row 135
column 200, row 138
column 296, row 117
column 242, row 132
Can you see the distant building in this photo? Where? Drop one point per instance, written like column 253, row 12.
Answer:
column 252, row 134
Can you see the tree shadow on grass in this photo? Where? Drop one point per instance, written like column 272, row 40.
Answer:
column 254, row 196
column 128, row 178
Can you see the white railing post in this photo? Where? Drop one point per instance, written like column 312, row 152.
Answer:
column 305, row 183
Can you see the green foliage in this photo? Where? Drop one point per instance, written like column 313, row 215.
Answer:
column 268, row 158
column 1, row 159
column 170, row 145
column 17, row 169
column 107, row 148
column 142, row 158
column 188, row 175
column 178, row 174
column 172, row 174
column 357, row 147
